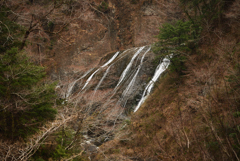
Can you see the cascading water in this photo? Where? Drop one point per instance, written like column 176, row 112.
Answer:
column 127, row 77
column 89, row 79
column 122, row 79
column 100, row 82
column 129, row 66
column 109, row 61
column 135, row 75
column 160, row 69
column 104, row 65
column 71, row 85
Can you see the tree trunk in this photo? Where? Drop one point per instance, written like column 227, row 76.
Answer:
column 24, row 39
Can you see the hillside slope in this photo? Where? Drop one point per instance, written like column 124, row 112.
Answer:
column 193, row 112
column 67, row 38
column 195, row 115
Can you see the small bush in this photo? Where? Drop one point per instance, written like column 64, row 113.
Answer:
column 128, row 122
column 103, row 6
column 236, row 114
column 59, row 153
column 51, row 25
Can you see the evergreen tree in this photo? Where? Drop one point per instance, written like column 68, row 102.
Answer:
column 25, row 99
column 175, row 39
column 180, row 37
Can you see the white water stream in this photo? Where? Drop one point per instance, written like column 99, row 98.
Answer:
column 71, row 85
column 104, row 65
column 128, row 77
column 100, row 82
column 89, row 79
column 129, row 66
column 130, row 73
column 125, row 94
column 135, row 76
column 159, row 70
column 109, row 61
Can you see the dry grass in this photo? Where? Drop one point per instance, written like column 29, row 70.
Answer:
column 193, row 117
column 190, row 121
column 196, row 119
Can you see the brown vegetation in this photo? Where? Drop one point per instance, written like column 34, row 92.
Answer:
column 194, row 116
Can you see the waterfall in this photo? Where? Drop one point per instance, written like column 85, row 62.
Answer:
column 134, row 77
column 89, row 78
column 109, row 61
column 121, row 79
column 71, row 85
column 120, row 88
column 104, row 65
column 160, row 69
column 100, row 82
column 129, row 66
column 125, row 93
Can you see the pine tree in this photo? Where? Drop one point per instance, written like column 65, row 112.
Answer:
column 26, row 100
column 174, row 38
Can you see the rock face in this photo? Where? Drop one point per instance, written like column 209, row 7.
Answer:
column 108, row 93
column 122, row 75
column 80, row 37
column 74, row 36
column 99, row 27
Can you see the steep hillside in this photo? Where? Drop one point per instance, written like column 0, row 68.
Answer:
column 193, row 115
column 66, row 38
column 105, row 56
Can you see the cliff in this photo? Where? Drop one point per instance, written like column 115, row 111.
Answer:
column 102, row 56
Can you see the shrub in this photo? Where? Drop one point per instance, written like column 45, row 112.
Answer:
column 180, row 37
column 59, row 153
column 103, row 6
